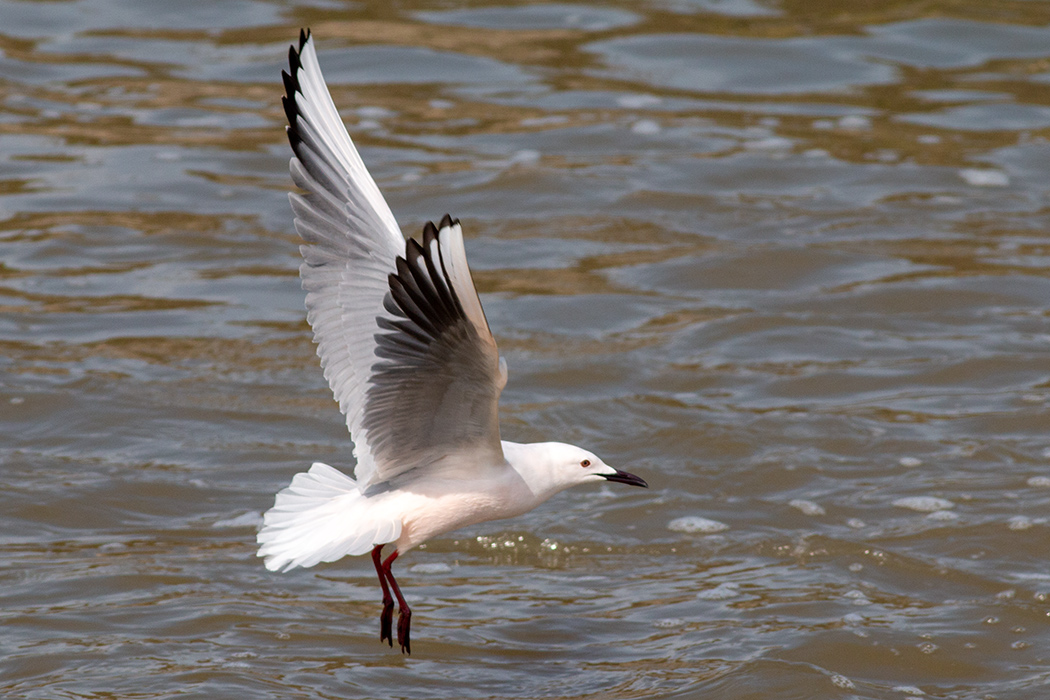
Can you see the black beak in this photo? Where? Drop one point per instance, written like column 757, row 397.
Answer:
column 625, row 478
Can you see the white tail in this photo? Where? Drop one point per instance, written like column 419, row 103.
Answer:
column 321, row 516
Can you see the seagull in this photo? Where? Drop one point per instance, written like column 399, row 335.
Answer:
column 407, row 351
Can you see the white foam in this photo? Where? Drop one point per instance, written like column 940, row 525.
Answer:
column 694, row 523
column 544, row 121
column 923, row 504
column 722, row 591
column 807, row 507
column 637, row 101
column 1020, row 522
column 981, row 177
column 855, row 121
column 436, row 567
column 373, row 112
column 249, row 519
column 942, row 515
column 645, row 127
column 526, row 155
column 909, row 462
column 669, row 623
column 770, row 143
column 841, row 681
column 1039, row 481
column 857, row 597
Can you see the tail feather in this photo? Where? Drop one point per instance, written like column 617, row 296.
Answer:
column 321, row 516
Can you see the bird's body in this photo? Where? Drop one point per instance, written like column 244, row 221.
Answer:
column 404, row 512
column 408, row 353
column 471, row 494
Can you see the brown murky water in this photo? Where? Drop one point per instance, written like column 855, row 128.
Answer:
column 789, row 261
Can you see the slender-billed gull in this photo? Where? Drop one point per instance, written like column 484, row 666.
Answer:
column 407, row 351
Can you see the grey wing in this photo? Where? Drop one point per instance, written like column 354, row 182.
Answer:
column 434, row 392
column 351, row 249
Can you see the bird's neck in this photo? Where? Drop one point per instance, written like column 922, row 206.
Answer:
column 534, row 464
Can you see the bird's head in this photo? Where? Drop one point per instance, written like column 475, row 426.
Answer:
column 569, row 465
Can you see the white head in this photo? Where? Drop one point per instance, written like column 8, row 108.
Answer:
column 550, row 467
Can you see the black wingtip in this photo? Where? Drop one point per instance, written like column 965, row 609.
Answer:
column 294, row 60
column 291, row 84
column 289, row 108
column 430, row 231
column 413, row 250
column 290, row 78
column 294, row 64
column 429, row 234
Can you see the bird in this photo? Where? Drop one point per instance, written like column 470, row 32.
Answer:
column 408, row 353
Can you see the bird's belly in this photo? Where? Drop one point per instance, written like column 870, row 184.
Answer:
column 428, row 516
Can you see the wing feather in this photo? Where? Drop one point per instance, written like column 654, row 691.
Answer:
column 399, row 327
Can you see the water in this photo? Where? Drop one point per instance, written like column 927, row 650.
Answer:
column 789, row 264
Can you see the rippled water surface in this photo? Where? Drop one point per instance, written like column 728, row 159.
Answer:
column 788, row 261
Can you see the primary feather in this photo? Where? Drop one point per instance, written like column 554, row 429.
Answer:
column 399, row 327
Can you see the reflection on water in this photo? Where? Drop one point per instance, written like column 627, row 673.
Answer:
column 790, row 264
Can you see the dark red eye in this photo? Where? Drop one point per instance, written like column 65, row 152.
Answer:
column 585, row 463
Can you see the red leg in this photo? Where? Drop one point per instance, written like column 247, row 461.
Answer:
column 387, row 617
column 404, row 613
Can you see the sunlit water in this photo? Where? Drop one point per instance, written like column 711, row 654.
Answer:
column 787, row 261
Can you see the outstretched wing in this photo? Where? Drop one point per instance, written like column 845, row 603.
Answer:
column 399, row 328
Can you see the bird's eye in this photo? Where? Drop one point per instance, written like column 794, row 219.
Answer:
column 585, row 463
